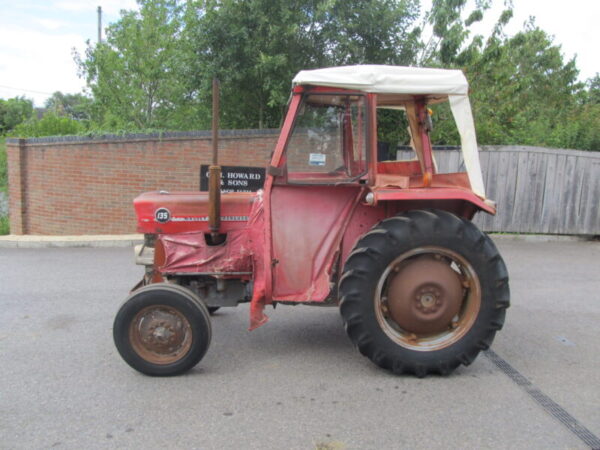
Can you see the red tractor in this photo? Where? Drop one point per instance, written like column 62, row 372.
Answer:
column 420, row 288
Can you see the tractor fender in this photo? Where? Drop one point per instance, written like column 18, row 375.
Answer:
column 380, row 204
column 428, row 195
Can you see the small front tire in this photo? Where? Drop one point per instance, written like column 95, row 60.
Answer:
column 162, row 330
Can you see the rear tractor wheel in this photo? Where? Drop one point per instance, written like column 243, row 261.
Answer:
column 162, row 329
column 423, row 292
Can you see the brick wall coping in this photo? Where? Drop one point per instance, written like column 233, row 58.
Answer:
column 166, row 135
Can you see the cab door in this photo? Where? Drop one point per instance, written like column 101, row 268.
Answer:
column 324, row 168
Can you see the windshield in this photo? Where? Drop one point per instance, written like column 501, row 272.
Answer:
column 328, row 143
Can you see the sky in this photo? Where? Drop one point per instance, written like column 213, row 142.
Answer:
column 37, row 38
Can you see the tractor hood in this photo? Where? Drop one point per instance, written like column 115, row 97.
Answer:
column 180, row 212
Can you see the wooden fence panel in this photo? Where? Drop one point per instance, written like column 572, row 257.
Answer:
column 549, row 204
column 537, row 190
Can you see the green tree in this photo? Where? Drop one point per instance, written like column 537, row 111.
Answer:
column 251, row 47
column 522, row 90
column 255, row 47
column 75, row 106
column 369, row 31
column 448, row 44
column 593, row 90
column 14, row 111
column 3, row 166
column 49, row 125
column 156, row 66
column 582, row 127
column 137, row 76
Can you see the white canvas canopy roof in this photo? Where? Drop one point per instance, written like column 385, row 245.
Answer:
column 387, row 79
column 436, row 84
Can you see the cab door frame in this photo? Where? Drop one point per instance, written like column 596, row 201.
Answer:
column 345, row 195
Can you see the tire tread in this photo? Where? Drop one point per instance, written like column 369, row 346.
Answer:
column 370, row 257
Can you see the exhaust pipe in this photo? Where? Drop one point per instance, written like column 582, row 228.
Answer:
column 214, row 171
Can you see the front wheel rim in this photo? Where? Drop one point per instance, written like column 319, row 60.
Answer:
column 439, row 311
column 160, row 334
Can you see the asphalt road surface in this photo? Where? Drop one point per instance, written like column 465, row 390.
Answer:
column 297, row 382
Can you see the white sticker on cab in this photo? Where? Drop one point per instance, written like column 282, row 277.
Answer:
column 317, row 159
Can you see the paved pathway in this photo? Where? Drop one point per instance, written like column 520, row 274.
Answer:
column 295, row 383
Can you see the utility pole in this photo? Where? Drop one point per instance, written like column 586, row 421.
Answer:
column 99, row 24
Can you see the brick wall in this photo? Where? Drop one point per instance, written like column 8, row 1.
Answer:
column 70, row 186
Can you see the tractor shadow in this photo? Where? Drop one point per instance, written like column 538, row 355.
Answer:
column 310, row 334
column 298, row 337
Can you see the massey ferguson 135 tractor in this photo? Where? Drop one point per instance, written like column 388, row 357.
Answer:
column 420, row 289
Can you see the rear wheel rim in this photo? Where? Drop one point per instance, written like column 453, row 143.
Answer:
column 160, row 334
column 437, row 309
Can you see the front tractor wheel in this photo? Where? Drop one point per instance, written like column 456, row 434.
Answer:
column 423, row 292
column 162, row 329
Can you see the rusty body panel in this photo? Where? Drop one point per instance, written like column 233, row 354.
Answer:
column 189, row 253
column 304, row 261
column 363, row 218
column 192, row 253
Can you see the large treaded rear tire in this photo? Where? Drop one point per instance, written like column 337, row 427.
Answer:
column 395, row 243
column 162, row 329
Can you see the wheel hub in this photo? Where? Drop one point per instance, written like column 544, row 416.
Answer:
column 160, row 334
column 424, row 295
column 428, row 300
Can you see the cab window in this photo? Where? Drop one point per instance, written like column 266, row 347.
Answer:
column 328, row 142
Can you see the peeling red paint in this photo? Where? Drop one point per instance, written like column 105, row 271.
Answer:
column 189, row 252
column 256, row 238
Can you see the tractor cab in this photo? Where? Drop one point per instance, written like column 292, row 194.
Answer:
column 349, row 98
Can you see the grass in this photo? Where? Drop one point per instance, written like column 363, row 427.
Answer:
column 4, row 226
column 3, row 170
